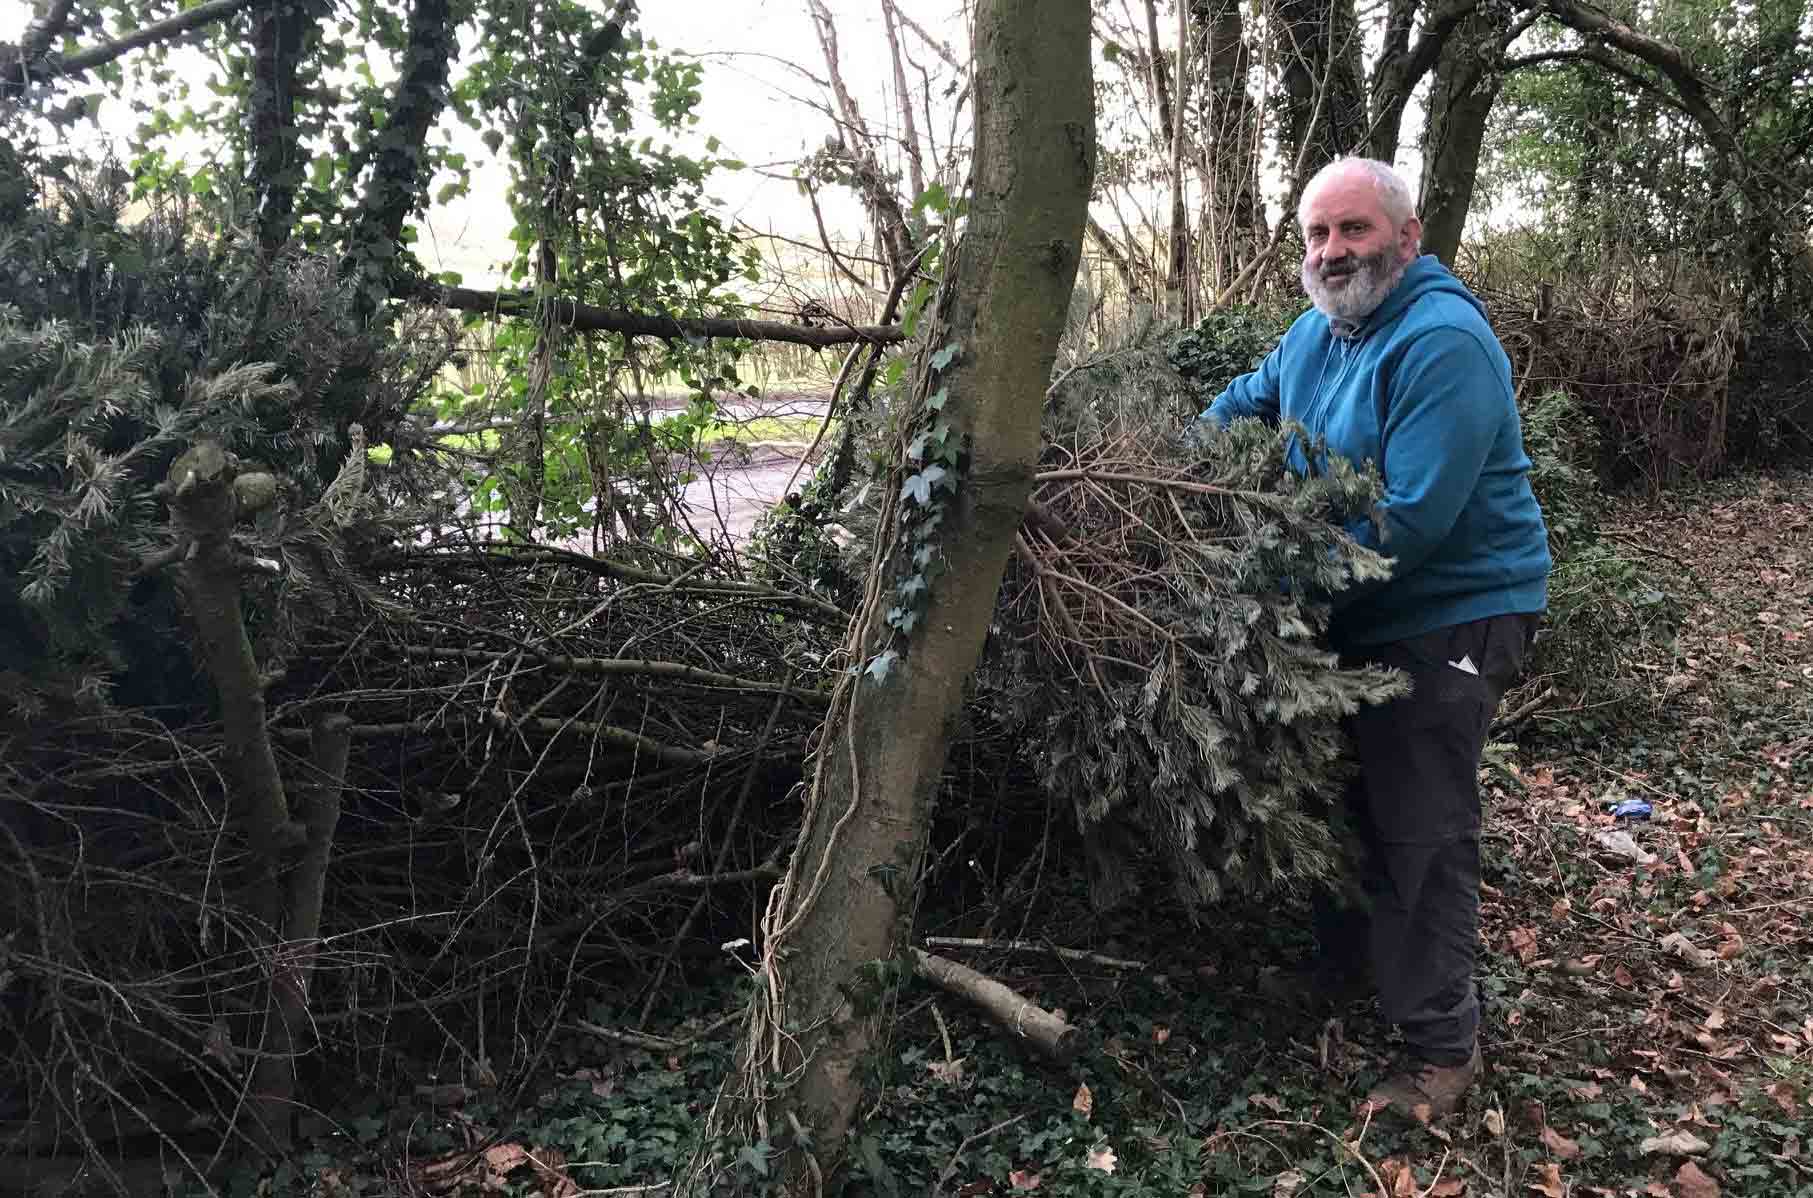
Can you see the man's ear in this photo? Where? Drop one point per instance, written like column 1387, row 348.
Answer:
column 1410, row 238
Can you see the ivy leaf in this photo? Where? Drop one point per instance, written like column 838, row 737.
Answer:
column 919, row 486
column 911, row 587
column 916, row 451
column 936, row 401
column 880, row 664
column 908, row 622
column 754, row 1158
column 946, row 356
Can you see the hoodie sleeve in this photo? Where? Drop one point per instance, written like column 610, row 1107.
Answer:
column 1252, row 394
column 1443, row 413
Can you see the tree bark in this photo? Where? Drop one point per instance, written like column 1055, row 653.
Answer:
column 1460, row 102
column 399, row 173
column 1179, row 294
column 1402, row 66
column 1234, row 222
column 278, row 33
column 1319, row 49
column 836, row 929
column 293, row 969
column 202, row 489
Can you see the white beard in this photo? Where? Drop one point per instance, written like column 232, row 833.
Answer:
column 1373, row 278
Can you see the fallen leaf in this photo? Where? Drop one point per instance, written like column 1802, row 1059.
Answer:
column 1588, row 1092
column 1399, row 1178
column 1084, row 1102
column 978, row 1187
column 1783, row 1094
column 1495, row 1121
column 1024, row 1179
column 1693, row 1182
column 1622, row 977
column 1675, row 1143
column 1683, row 948
column 1714, row 1021
column 503, row 1158
column 1160, row 1033
column 1287, row 1183
column 1551, row 1181
column 949, row 1072
column 1636, row 1083
column 1656, row 1189
column 1267, row 1101
column 1101, row 1159
column 1559, row 1144
column 1448, row 1187
column 1523, row 943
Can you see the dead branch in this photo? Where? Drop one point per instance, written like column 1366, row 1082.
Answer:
column 1030, row 946
column 606, row 667
column 585, row 317
column 1026, row 1020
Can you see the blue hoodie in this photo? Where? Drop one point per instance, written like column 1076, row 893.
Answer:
column 1422, row 389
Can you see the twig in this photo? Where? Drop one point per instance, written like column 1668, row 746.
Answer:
column 723, row 856
column 1525, row 711
column 1032, row 946
column 950, row 1170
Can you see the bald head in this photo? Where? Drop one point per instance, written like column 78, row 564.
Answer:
column 1387, row 185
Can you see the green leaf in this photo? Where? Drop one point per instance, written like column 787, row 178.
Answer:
column 880, row 664
column 876, row 1168
column 933, row 197
column 946, row 356
column 936, row 401
column 755, row 1158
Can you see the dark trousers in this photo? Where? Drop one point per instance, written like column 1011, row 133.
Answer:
column 1415, row 809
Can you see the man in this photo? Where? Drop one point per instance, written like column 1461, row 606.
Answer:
column 1396, row 365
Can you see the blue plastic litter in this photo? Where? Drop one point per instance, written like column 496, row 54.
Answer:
column 1632, row 809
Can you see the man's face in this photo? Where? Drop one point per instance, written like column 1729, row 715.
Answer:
column 1352, row 257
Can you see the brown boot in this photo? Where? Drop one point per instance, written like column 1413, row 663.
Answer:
column 1425, row 1092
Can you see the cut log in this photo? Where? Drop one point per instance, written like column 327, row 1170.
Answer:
column 1019, row 1015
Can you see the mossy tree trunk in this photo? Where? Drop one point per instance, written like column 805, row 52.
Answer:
column 837, row 926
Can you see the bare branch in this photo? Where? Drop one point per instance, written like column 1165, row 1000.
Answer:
column 641, row 324
column 1602, row 60
column 29, row 69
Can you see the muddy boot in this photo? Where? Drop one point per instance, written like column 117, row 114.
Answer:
column 1425, row 1091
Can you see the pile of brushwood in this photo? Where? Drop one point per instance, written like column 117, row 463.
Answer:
column 312, row 787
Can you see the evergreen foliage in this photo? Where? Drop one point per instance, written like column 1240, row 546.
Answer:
column 121, row 343
column 1161, row 641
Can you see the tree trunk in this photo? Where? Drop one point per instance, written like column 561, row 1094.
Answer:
column 1233, row 223
column 1179, row 293
column 836, row 929
column 204, row 491
column 1460, row 102
column 399, row 173
column 1319, row 51
column 278, row 33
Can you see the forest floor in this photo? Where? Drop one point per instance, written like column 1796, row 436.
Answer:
column 1649, row 1023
